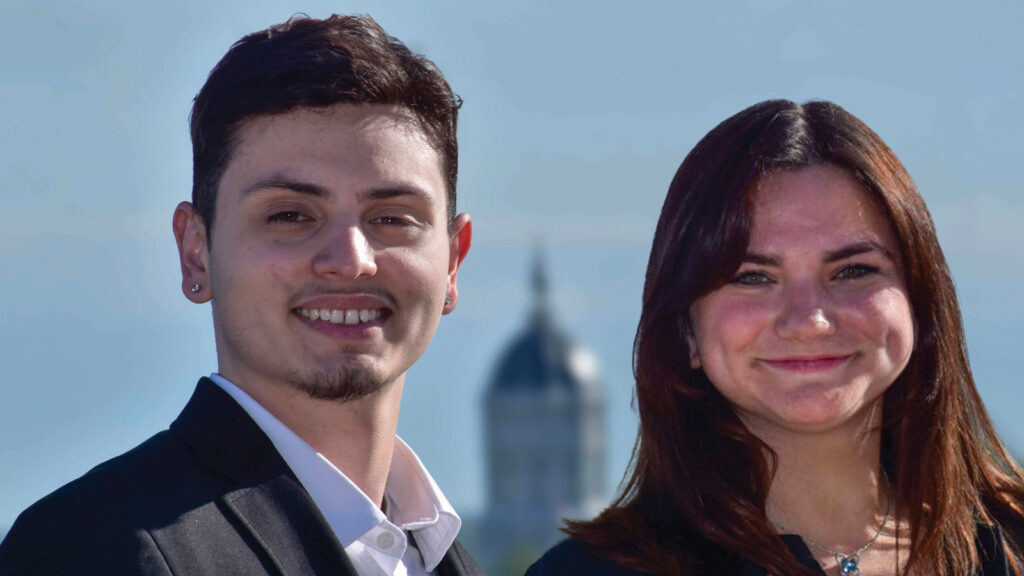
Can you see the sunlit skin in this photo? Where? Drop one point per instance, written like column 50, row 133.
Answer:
column 337, row 209
column 803, row 341
column 816, row 324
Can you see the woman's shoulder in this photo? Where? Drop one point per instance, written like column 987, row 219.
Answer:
column 570, row 556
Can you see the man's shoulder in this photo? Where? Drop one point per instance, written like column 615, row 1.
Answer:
column 570, row 556
column 123, row 483
column 210, row 495
column 104, row 515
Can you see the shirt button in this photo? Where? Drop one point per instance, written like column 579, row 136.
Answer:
column 385, row 539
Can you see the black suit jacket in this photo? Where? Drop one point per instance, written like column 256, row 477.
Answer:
column 211, row 495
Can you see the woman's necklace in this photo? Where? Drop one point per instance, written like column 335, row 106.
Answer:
column 849, row 564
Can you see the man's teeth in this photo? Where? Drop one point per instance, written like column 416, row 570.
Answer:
column 341, row 316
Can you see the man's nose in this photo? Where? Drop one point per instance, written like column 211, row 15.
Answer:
column 806, row 314
column 346, row 254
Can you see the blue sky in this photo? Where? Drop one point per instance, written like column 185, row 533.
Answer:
column 577, row 114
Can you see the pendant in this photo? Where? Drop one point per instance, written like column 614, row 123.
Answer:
column 848, row 564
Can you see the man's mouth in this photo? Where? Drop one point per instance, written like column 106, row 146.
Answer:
column 349, row 317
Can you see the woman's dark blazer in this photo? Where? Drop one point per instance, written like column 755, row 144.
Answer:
column 571, row 558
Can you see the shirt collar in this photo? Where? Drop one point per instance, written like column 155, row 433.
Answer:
column 415, row 502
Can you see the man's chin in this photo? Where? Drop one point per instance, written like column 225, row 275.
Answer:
column 343, row 385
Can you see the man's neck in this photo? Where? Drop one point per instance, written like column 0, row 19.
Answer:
column 356, row 436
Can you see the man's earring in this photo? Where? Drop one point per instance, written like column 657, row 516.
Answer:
column 447, row 300
column 196, row 288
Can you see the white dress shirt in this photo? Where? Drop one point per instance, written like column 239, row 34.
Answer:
column 376, row 543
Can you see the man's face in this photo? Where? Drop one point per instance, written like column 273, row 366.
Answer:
column 330, row 259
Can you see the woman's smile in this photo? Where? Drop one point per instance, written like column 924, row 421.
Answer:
column 808, row 364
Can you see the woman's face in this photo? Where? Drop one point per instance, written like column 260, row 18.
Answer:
column 816, row 323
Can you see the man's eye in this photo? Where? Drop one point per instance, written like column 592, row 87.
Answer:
column 288, row 216
column 751, row 279
column 855, row 271
column 390, row 221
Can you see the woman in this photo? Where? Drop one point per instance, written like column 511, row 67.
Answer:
column 806, row 405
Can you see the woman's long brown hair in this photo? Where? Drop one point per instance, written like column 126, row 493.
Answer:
column 695, row 496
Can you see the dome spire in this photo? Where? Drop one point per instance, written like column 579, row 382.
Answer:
column 542, row 357
column 540, row 284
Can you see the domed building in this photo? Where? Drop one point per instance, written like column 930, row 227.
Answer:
column 544, row 423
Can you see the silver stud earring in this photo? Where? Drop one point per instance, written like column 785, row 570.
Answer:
column 447, row 300
column 196, row 288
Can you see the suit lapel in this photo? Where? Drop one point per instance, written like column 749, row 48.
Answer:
column 458, row 562
column 289, row 527
column 267, row 500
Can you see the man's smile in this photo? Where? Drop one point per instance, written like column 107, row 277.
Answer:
column 342, row 316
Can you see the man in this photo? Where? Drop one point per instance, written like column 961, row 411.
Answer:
column 323, row 230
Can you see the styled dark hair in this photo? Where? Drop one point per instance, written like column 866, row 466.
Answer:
column 695, row 496
column 306, row 62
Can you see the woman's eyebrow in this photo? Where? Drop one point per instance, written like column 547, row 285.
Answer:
column 761, row 259
column 856, row 249
column 842, row 253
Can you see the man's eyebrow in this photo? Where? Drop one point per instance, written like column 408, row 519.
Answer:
column 303, row 187
column 284, row 183
column 388, row 192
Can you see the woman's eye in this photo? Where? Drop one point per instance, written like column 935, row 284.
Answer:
column 751, row 279
column 289, row 216
column 855, row 271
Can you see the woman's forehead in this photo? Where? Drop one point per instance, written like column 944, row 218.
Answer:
column 816, row 206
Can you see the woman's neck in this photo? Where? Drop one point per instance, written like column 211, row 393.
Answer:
column 828, row 486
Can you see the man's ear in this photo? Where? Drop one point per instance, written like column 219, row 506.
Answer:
column 194, row 253
column 458, row 247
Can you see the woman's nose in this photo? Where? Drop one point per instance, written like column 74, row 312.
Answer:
column 806, row 314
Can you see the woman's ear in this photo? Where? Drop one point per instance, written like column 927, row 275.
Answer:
column 686, row 331
column 694, row 354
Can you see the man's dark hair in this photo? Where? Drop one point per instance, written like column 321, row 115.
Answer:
column 306, row 62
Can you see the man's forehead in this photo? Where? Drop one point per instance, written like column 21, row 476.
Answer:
column 372, row 149
column 319, row 121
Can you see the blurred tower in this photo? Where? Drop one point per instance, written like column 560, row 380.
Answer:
column 545, row 439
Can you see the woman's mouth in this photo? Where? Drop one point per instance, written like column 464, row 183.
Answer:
column 808, row 364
